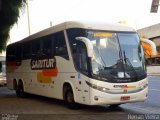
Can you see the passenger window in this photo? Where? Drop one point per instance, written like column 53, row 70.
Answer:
column 11, row 53
column 47, row 46
column 18, row 52
column 60, row 45
column 14, row 53
column 36, row 48
column 26, row 50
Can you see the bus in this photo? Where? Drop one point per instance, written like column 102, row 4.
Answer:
column 78, row 62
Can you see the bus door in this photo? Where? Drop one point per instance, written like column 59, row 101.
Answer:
column 81, row 64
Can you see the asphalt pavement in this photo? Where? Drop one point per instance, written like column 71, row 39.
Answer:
column 45, row 108
column 152, row 104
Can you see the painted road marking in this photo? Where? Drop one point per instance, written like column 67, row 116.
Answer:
column 155, row 90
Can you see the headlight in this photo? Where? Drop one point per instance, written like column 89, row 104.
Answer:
column 103, row 89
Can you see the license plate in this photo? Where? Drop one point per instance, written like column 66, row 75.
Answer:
column 125, row 98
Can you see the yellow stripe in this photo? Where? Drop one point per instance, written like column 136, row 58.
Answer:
column 43, row 79
column 131, row 86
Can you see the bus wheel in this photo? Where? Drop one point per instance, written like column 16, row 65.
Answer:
column 20, row 90
column 69, row 98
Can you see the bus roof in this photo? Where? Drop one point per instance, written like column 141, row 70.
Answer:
column 85, row 25
column 98, row 26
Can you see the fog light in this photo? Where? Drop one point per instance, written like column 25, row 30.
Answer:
column 96, row 98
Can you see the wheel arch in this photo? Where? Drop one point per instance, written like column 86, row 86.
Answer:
column 68, row 83
column 21, row 82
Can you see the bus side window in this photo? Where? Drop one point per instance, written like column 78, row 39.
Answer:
column 36, row 48
column 47, row 46
column 11, row 53
column 18, row 53
column 60, row 45
column 26, row 50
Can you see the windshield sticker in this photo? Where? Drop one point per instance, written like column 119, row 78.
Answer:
column 102, row 34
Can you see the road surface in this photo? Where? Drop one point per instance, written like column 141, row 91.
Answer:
column 37, row 107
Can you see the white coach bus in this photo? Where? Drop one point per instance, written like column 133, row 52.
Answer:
column 92, row 64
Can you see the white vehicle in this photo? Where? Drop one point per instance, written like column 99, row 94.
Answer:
column 3, row 76
column 91, row 64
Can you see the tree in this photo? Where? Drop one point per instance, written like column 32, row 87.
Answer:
column 9, row 13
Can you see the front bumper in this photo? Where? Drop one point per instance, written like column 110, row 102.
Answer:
column 101, row 98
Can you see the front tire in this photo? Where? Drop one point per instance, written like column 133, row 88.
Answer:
column 69, row 98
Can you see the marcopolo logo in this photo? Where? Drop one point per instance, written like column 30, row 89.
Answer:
column 120, row 86
column 40, row 64
column 124, row 86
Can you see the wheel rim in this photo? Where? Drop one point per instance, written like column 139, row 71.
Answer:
column 20, row 90
column 69, row 97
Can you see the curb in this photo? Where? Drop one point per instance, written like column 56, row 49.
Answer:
column 153, row 74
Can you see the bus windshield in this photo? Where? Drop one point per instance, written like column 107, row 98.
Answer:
column 118, row 57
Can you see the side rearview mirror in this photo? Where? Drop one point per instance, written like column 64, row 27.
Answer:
column 88, row 44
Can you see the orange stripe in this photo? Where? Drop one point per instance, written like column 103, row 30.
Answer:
column 50, row 72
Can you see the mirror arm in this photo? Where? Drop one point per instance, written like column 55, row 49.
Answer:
column 88, row 45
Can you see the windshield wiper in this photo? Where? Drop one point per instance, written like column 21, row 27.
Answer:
column 121, row 61
column 128, row 62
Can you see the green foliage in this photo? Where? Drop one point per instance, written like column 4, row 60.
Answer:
column 9, row 13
